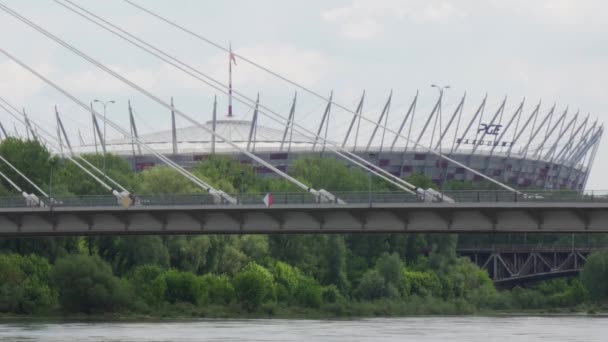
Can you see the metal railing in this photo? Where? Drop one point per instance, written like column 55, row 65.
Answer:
column 307, row 199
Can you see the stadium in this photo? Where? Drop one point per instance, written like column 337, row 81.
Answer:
column 525, row 146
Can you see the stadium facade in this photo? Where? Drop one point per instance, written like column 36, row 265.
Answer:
column 526, row 148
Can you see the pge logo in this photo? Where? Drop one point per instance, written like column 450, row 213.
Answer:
column 489, row 129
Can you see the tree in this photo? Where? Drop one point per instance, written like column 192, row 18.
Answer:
column 254, row 285
column 286, row 278
column 421, row 180
column 128, row 252
column 372, row 286
column 595, row 275
column 24, row 285
column 184, row 287
column 69, row 179
column 308, row 292
column 149, row 284
column 219, row 289
column 336, row 257
column 390, row 267
column 86, row 284
column 188, row 253
column 165, row 180
column 422, row 284
column 36, row 166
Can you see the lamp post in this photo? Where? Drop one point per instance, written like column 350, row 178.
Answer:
column 104, row 104
column 441, row 89
column 372, row 157
column 52, row 162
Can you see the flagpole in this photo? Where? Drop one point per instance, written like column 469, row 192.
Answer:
column 230, row 82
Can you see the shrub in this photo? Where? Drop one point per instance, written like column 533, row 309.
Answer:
column 372, row 286
column 183, row 287
column 86, row 284
column 595, row 275
column 253, row 285
column 423, row 284
column 149, row 284
column 330, row 294
column 219, row 289
column 308, row 293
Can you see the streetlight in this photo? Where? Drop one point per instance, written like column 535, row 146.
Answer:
column 372, row 157
column 105, row 104
column 52, row 162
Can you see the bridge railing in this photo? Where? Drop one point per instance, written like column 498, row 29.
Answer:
column 306, row 198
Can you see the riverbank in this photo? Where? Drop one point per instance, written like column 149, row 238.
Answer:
column 185, row 313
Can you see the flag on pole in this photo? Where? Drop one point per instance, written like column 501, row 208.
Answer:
column 268, row 200
column 232, row 56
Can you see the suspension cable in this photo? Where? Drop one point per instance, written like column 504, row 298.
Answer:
column 247, row 101
column 138, row 88
column 316, row 94
column 102, row 183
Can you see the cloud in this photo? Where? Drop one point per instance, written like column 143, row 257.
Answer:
column 366, row 19
column 18, row 84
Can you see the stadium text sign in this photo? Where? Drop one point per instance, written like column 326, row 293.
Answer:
column 490, row 129
column 482, row 142
column 486, row 129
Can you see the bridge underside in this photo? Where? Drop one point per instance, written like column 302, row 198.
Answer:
column 317, row 219
column 509, row 268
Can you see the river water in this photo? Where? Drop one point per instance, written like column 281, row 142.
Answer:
column 423, row 329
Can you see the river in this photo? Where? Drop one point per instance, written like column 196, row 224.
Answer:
column 419, row 329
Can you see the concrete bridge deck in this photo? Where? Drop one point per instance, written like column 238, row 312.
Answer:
column 477, row 212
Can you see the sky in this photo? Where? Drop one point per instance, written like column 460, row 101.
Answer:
column 554, row 51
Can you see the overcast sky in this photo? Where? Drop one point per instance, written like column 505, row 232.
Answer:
column 550, row 50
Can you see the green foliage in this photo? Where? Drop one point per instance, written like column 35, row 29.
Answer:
column 390, row 267
column 336, row 258
column 184, row 287
column 254, row 285
column 149, row 284
column 24, row 284
column 36, row 165
column 334, row 175
column 595, row 275
column 219, row 289
column 286, row 278
column 69, row 179
column 421, row 284
column 165, row 180
column 126, row 253
column 421, row 180
column 308, row 292
column 86, row 284
column 188, row 253
column 372, row 286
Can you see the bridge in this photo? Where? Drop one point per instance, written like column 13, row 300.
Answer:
column 510, row 266
column 352, row 212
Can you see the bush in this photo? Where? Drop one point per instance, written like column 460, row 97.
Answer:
column 24, row 285
column 331, row 294
column 286, row 278
column 254, row 285
column 149, row 284
column 308, row 293
column 219, row 289
column 372, row 286
column 390, row 267
column 595, row 275
column 86, row 284
column 184, row 287
column 423, row 284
